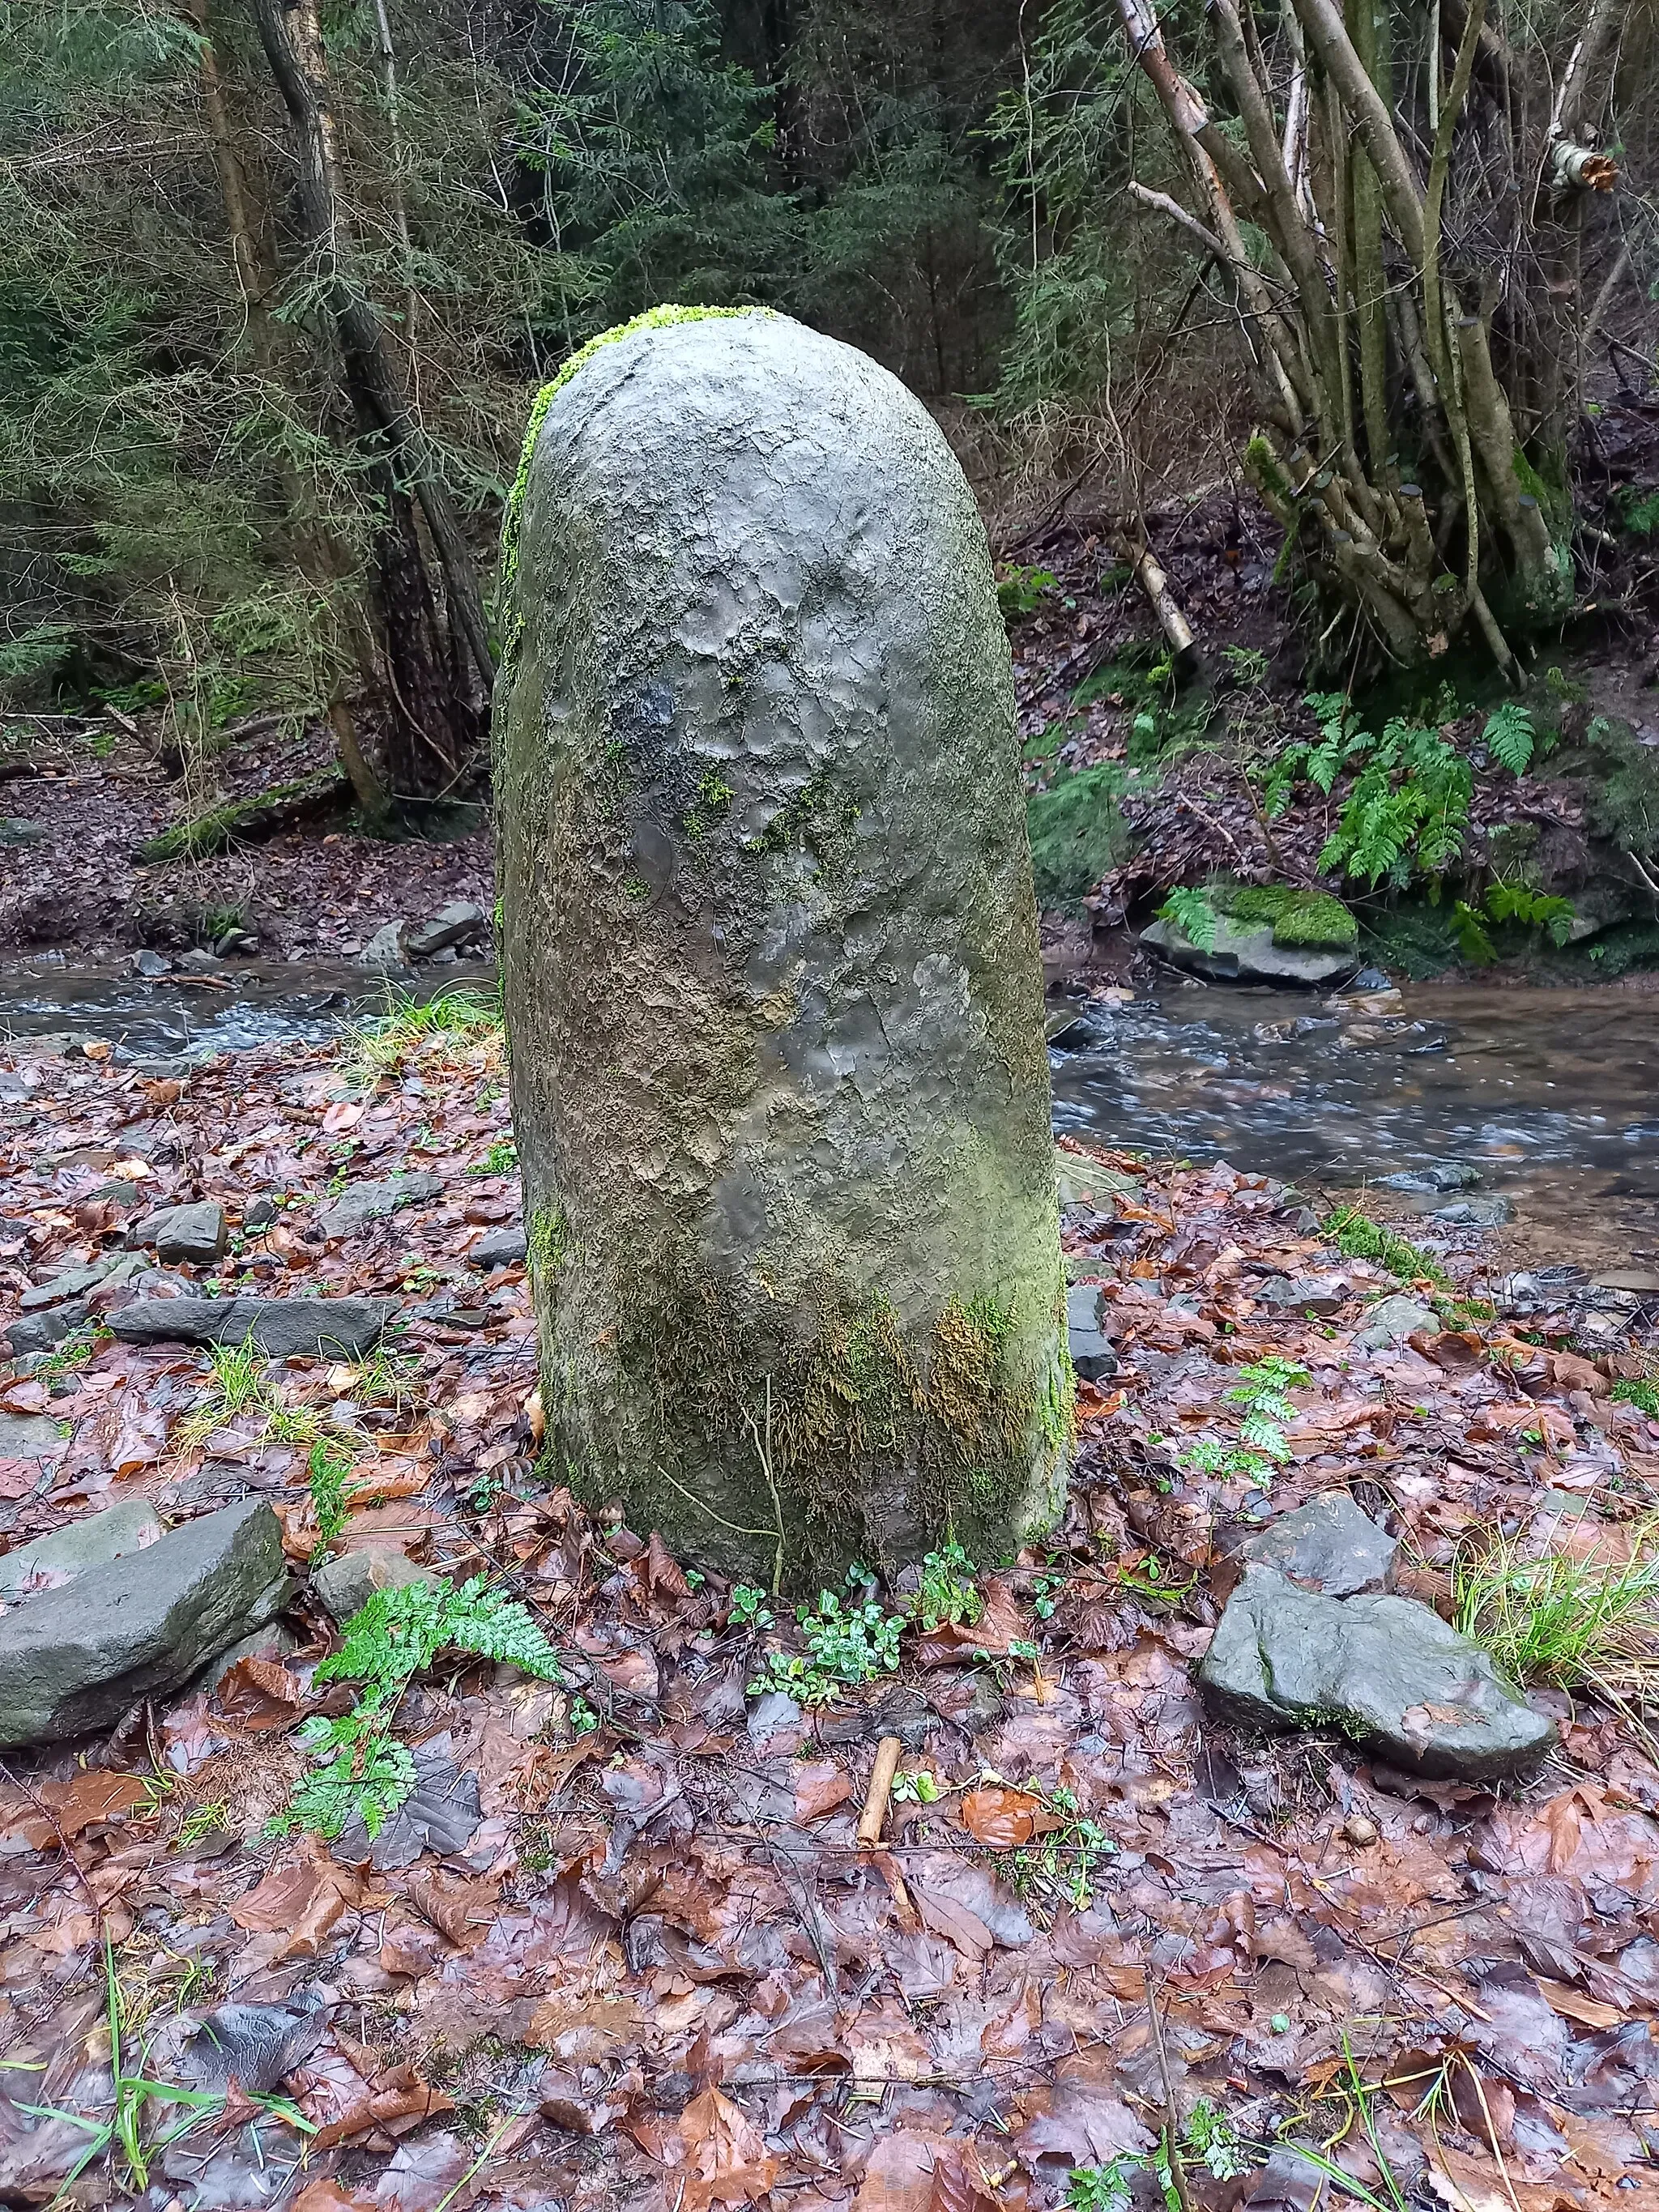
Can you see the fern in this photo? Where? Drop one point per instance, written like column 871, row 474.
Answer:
column 1470, row 930
column 327, row 1471
column 1190, row 911
column 1509, row 735
column 362, row 1769
column 1532, row 909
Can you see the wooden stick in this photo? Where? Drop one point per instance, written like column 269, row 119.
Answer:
column 1171, row 2110
column 880, row 1790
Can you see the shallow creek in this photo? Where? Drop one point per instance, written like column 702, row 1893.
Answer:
column 1552, row 1094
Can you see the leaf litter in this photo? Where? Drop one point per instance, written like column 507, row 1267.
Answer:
column 619, row 1945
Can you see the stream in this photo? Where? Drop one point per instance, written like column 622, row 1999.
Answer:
column 1552, row 1095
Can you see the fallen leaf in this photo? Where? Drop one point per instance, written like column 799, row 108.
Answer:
column 819, row 1787
column 459, row 1908
column 1574, row 2004
column 727, row 2159
column 300, row 1902
column 1005, row 1818
column 259, row 1695
column 899, row 2177
column 91, row 1797
column 344, row 1114
column 328, row 2196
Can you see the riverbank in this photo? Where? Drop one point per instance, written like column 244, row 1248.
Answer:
column 623, row 1947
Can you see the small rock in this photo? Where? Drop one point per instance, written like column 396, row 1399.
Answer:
column 196, row 1233
column 1439, row 1174
column 1092, row 1356
column 150, row 962
column 1314, row 1294
column 59, row 1557
column 1357, row 1829
column 1487, row 1212
column 197, row 961
column 1327, row 1544
column 346, row 1584
column 385, row 949
column 76, row 1660
column 259, row 1215
column 1246, row 953
column 1387, row 1671
column 14, row 831
column 456, row 924
column 375, row 1201
column 29, row 1436
column 1370, row 979
column 1392, row 1320
column 283, row 1328
column 34, row 1333
column 499, row 1248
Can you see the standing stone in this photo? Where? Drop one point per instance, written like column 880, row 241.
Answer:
column 770, row 962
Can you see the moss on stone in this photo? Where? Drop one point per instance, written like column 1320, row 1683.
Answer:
column 1299, row 915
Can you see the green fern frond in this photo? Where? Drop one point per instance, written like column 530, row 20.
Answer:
column 1509, row 735
column 1190, row 911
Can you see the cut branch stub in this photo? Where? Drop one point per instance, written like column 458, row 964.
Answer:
column 771, row 962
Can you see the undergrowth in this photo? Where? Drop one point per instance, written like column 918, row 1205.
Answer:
column 363, row 1771
column 1557, row 1620
column 1357, row 1237
column 847, row 1642
column 453, row 1020
column 1262, row 1444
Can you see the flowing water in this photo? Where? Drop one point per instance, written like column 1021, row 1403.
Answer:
column 1553, row 1094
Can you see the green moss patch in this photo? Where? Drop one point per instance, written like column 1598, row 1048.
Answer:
column 1077, row 835
column 1299, row 916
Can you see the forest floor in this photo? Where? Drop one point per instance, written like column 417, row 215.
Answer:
column 623, row 1947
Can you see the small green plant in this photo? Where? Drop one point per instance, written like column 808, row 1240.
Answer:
column 1634, row 1391
column 362, row 1770
column 73, row 1351
column 1246, row 664
column 1019, row 590
column 583, row 1718
column 1511, row 737
column 847, row 1643
column 1060, row 1867
column 327, row 1471
column 1045, row 1591
column 1512, row 904
column 1357, row 1237
column 452, row 1019
column 1639, row 510
column 1557, row 1619
column 947, row 1596
column 502, row 1158
column 917, row 1788
column 1262, row 1444
column 747, row 1607
column 1102, row 2188
column 1211, row 2137
column 1191, row 912
column 1408, row 805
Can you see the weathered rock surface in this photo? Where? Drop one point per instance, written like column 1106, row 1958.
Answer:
column 114, row 1268
column 771, row 960
column 1312, row 1294
column 499, row 1248
column 385, row 948
column 364, row 1202
column 1385, row 1670
column 76, row 1659
column 1080, row 1181
column 1439, row 1174
column 460, row 923
column 37, row 1333
column 51, row 1560
column 1245, row 952
column 1327, row 1544
column 284, row 1328
column 1486, row 1211
column 1092, row 1355
column 29, row 1435
column 198, row 1233
column 346, row 1584
column 1392, row 1320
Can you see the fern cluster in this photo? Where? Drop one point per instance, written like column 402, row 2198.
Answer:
column 362, row 1769
column 1515, row 905
column 1408, row 806
column 1190, row 911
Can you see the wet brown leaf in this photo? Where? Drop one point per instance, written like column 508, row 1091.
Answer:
column 726, row 2158
column 1005, row 1818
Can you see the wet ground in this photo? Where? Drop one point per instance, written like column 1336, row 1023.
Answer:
column 1553, row 1094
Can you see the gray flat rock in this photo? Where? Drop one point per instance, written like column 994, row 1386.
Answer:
column 1314, row 1294
column 456, row 924
column 36, row 1333
column 30, row 1435
column 1439, row 1174
column 385, row 948
column 76, row 1660
column 1389, row 1673
column 1327, row 1544
column 1392, row 1320
column 284, row 1328
column 198, row 1233
column 1486, row 1211
column 499, row 1248
column 114, row 1268
column 375, row 1201
column 1248, row 955
column 51, row 1561
column 346, row 1584
column 1092, row 1355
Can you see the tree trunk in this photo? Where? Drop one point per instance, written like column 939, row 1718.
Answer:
column 440, row 664
column 771, row 968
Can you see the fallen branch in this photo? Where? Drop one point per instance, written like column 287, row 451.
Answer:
column 1186, row 657
column 1171, row 2109
column 881, row 1788
column 246, row 820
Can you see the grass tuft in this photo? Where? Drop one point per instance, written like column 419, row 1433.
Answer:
column 450, row 1022
column 1560, row 1621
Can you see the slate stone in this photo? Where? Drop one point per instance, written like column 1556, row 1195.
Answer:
column 457, row 924
column 198, row 1233
column 14, row 830
column 259, row 1215
column 501, row 1247
column 1488, row 1211
column 284, row 1328
column 75, row 1660
column 1314, row 1294
column 1439, row 1174
column 37, row 1332
column 375, row 1201
column 1388, row 1672
column 1392, row 1320
column 1327, row 1544
column 1246, row 953
column 1092, row 1356
column 92, row 1542
column 346, row 1584
column 385, row 948
column 75, row 1282
column 29, row 1435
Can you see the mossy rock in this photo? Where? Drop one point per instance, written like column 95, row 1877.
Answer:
column 1299, row 916
column 771, row 968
